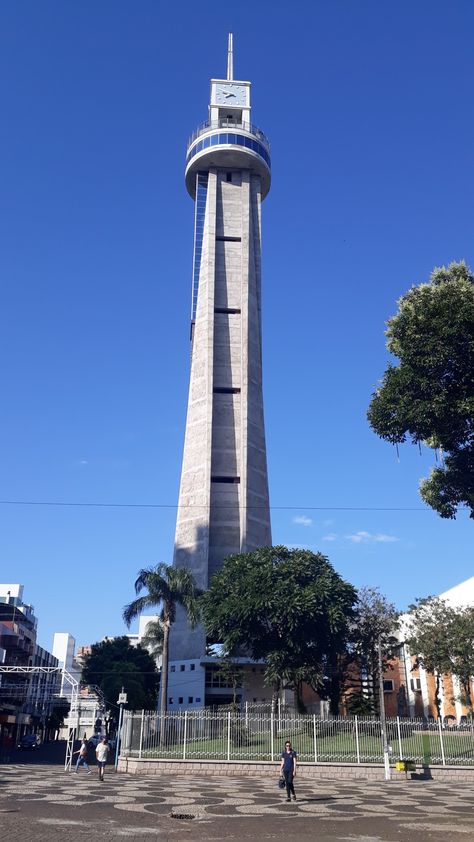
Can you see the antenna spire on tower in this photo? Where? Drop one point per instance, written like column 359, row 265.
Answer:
column 230, row 57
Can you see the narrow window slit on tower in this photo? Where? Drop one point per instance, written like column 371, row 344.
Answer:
column 228, row 310
column 226, row 390
column 225, row 479
column 229, row 174
column 222, row 239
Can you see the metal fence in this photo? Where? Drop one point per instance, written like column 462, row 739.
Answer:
column 207, row 735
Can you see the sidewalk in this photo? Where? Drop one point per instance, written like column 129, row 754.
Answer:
column 39, row 803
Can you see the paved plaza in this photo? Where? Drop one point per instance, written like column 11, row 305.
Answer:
column 41, row 802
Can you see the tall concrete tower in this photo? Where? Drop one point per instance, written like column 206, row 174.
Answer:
column 223, row 498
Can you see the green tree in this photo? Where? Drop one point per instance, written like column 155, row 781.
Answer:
column 167, row 588
column 56, row 720
column 429, row 639
column 287, row 607
column 232, row 674
column 115, row 662
column 376, row 621
column 429, row 396
column 461, row 635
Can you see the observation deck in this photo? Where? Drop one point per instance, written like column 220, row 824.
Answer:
column 228, row 144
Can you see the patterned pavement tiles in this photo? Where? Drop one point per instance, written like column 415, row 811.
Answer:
column 430, row 806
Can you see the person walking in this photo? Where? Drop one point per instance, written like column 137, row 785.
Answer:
column 82, row 759
column 102, row 753
column 288, row 769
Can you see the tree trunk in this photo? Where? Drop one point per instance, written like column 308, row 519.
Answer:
column 275, row 695
column 437, row 698
column 374, row 690
column 164, row 670
column 468, row 693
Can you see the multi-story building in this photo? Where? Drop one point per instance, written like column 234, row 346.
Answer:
column 26, row 700
column 410, row 689
column 63, row 649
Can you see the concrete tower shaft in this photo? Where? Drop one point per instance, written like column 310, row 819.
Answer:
column 223, row 500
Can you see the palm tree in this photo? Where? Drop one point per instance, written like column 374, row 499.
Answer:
column 153, row 638
column 168, row 587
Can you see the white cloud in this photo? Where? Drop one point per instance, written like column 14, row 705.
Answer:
column 303, row 520
column 329, row 522
column 84, row 462
column 363, row 537
column 331, row 537
column 359, row 537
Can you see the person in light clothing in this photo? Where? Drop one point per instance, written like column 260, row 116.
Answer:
column 82, row 759
column 102, row 753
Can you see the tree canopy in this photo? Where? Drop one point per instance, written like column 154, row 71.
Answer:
column 288, row 607
column 376, row 621
column 442, row 640
column 113, row 663
column 429, row 396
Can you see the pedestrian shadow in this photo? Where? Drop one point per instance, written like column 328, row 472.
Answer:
column 425, row 775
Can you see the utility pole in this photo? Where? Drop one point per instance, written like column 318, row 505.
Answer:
column 386, row 753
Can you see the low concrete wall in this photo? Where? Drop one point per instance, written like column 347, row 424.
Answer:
column 307, row 771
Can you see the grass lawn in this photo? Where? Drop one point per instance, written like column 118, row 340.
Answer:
column 337, row 747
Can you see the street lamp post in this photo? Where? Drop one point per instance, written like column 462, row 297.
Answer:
column 386, row 752
column 121, row 701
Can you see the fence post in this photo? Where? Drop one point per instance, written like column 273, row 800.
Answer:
column 279, row 715
column 246, row 714
column 314, row 738
column 357, row 738
column 271, row 733
column 228, row 736
column 185, row 733
column 400, row 750
column 443, row 759
column 141, row 735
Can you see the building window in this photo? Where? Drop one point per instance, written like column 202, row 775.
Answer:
column 173, row 668
column 180, row 700
column 225, row 479
column 415, row 684
column 190, row 700
column 229, row 177
column 171, row 700
column 388, row 686
column 192, row 667
column 215, row 678
column 182, row 667
column 200, row 212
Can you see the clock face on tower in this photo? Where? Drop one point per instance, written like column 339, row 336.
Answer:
column 229, row 94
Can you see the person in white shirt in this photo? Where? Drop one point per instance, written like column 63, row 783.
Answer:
column 102, row 753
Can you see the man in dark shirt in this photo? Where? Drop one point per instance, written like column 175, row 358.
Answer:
column 288, row 769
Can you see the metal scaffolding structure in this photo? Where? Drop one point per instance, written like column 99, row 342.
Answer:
column 73, row 698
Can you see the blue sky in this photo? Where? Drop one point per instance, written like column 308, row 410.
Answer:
column 368, row 107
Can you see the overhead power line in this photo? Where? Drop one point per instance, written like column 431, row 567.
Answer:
column 73, row 504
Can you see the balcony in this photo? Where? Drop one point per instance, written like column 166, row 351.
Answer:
column 223, row 123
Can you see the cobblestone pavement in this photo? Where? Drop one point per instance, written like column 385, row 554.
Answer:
column 44, row 803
